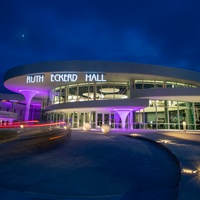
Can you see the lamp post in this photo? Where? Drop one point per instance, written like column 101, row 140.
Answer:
column 184, row 126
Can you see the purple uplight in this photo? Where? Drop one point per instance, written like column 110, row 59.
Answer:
column 28, row 94
column 123, row 114
column 31, row 91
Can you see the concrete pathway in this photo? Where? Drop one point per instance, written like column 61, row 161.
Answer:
column 186, row 147
column 91, row 166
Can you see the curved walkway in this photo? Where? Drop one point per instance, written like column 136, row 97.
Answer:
column 92, row 166
column 186, row 147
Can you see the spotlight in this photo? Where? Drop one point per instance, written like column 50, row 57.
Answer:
column 87, row 127
column 105, row 128
column 189, row 171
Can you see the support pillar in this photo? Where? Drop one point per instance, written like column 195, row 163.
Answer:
column 28, row 94
column 123, row 115
column 131, row 120
column 117, row 119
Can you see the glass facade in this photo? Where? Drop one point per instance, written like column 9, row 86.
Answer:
column 95, row 118
column 163, row 114
column 160, row 114
column 146, row 84
column 89, row 92
column 104, row 90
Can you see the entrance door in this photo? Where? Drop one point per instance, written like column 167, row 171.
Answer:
column 103, row 118
column 81, row 119
column 106, row 118
column 99, row 119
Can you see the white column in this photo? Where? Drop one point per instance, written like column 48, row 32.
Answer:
column 123, row 115
column 28, row 94
column 131, row 120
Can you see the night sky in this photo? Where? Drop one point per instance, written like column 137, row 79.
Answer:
column 161, row 32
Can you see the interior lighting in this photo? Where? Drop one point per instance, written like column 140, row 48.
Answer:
column 109, row 90
column 115, row 96
column 91, row 95
column 69, row 97
column 101, row 96
column 124, row 97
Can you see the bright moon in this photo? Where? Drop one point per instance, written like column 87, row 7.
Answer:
column 23, row 35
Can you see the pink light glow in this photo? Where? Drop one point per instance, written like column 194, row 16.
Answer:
column 31, row 124
column 28, row 94
column 123, row 114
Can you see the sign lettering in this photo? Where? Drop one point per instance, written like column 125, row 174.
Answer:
column 94, row 77
column 65, row 77
column 35, row 79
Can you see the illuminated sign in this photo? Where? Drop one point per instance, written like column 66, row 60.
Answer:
column 35, row 78
column 94, row 77
column 64, row 77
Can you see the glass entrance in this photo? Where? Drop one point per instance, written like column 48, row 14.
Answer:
column 99, row 119
column 96, row 119
column 81, row 119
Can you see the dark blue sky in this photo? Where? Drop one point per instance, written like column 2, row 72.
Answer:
column 161, row 32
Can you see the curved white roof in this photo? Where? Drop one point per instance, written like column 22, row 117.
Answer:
column 15, row 79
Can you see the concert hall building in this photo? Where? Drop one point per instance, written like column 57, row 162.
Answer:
column 123, row 95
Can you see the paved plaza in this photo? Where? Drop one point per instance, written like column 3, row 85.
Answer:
column 92, row 165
